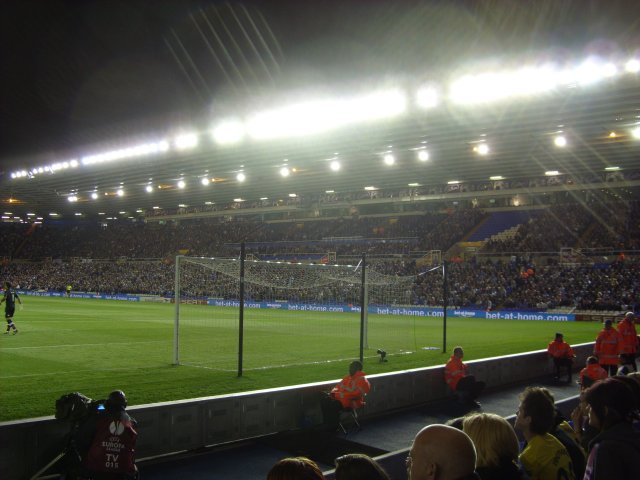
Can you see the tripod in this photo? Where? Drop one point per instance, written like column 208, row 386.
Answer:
column 69, row 449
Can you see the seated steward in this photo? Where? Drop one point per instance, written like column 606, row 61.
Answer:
column 465, row 386
column 562, row 355
column 349, row 393
column 108, row 452
column 591, row 373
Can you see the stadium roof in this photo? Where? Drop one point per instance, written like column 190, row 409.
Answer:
column 99, row 98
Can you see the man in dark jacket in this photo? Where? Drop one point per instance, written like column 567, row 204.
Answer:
column 615, row 450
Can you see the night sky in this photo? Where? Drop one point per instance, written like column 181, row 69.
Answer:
column 79, row 72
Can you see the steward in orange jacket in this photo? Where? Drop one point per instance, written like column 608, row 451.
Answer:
column 607, row 348
column 465, row 386
column 562, row 355
column 628, row 341
column 351, row 390
column 591, row 373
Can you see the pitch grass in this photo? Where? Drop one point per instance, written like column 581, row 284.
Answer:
column 95, row 346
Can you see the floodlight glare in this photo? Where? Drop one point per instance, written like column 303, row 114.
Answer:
column 612, row 169
column 293, row 195
column 560, row 141
column 636, row 132
column 120, row 192
column 284, row 171
column 632, row 66
column 181, row 184
column 241, row 177
column 496, row 177
column 149, row 188
column 482, row 149
column 228, row 132
column 427, row 97
column 423, row 155
column 389, row 159
column 186, row 141
column 73, row 163
column 552, row 173
column 72, row 198
column 94, row 195
column 334, row 165
column 204, row 181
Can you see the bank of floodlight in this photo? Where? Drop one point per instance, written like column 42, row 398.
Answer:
column 241, row 177
column 317, row 116
column 72, row 198
column 389, row 159
column 94, row 195
column 186, row 141
column 552, row 173
column 481, row 149
column 636, row 133
column 427, row 97
column 120, row 192
column 143, row 149
column 149, row 188
column 560, row 141
column 423, row 155
column 181, row 184
column 334, row 165
column 228, row 132
column 205, row 181
column 285, row 172
column 632, row 66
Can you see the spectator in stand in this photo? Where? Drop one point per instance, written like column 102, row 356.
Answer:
column 356, row 466
column 348, row 394
column 496, row 446
column 440, row 452
column 613, row 453
column 591, row 373
column 562, row 355
column 295, row 468
column 628, row 341
column 465, row 386
column 607, row 348
column 543, row 457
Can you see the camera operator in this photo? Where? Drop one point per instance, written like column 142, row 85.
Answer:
column 106, row 442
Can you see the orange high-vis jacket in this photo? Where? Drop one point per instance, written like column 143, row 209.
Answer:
column 454, row 370
column 560, row 350
column 593, row 371
column 351, row 390
column 607, row 347
column 628, row 337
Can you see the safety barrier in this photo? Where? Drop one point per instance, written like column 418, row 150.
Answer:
column 170, row 427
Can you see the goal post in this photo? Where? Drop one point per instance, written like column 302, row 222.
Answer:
column 279, row 314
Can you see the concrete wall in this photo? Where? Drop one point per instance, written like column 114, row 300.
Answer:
column 164, row 428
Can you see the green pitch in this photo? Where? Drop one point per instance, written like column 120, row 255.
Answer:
column 95, row 346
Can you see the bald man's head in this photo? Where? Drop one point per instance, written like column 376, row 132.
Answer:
column 440, row 452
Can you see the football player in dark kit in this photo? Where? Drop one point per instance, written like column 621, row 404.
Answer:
column 10, row 297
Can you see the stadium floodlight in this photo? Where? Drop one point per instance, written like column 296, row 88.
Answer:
column 334, row 165
column 317, row 116
column 552, row 173
column 632, row 66
column 560, row 141
column 94, row 195
column 285, row 172
column 181, row 184
column 13, row 174
column 72, row 198
column 370, row 188
column 149, row 188
column 209, row 203
column 636, row 132
column 72, row 163
column 293, row 195
column 30, row 214
column 228, row 132
column 329, row 191
column 612, row 169
column 120, row 192
column 427, row 97
column 389, row 159
column 155, row 207
column 238, row 200
column 612, row 134
column 241, row 177
column 453, row 182
column 53, row 214
column 186, row 141
column 151, row 148
column 414, row 184
column 423, row 155
column 78, row 214
column 40, row 169
column 182, row 205
column 496, row 177
column 205, row 181
column 481, row 149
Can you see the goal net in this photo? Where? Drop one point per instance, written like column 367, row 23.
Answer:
column 292, row 314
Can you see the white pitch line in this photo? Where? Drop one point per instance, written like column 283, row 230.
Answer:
column 2, row 349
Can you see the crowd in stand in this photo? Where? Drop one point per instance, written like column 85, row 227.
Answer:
column 107, row 259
